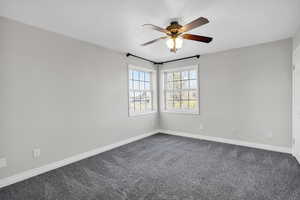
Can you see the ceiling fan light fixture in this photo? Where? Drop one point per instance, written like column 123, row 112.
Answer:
column 174, row 42
column 176, row 33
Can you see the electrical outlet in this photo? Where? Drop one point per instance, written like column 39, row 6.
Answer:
column 269, row 134
column 201, row 127
column 36, row 153
column 3, row 162
column 234, row 131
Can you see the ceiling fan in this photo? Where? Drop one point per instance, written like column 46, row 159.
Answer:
column 175, row 33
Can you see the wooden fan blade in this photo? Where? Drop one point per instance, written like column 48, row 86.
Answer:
column 194, row 24
column 157, row 28
column 198, row 38
column 152, row 41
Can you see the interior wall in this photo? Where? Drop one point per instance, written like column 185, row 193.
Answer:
column 61, row 95
column 296, row 40
column 296, row 95
column 245, row 94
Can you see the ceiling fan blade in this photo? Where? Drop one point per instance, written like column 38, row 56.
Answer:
column 198, row 38
column 152, row 41
column 194, row 24
column 157, row 28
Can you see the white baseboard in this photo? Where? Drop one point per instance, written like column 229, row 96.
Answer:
column 297, row 156
column 46, row 168
column 230, row 141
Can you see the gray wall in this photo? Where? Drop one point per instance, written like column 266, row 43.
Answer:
column 296, row 95
column 245, row 94
column 296, row 40
column 61, row 95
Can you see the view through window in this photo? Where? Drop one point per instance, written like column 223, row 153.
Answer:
column 181, row 90
column 140, row 91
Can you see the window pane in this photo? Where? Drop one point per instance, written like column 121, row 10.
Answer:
column 193, row 74
column 130, row 74
column 137, row 96
column 143, row 96
column 193, row 95
column 192, row 104
column 185, row 95
column 170, row 76
column 193, row 84
column 147, row 76
column 148, row 105
column 135, row 75
column 131, row 106
column 169, row 96
column 170, row 85
column 185, row 75
column 142, row 76
column 176, row 76
column 184, row 104
column 137, row 106
column 143, row 106
column 177, row 85
column 176, row 104
column 142, row 85
column 148, row 95
column 176, row 96
column 131, row 99
column 185, row 84
column 131, row 102
column 136, row 85
column 130, row 84
column 147, row 85
column 131, row 94
column 169, row 104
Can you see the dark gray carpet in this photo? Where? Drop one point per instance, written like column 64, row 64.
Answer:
column 164, row 167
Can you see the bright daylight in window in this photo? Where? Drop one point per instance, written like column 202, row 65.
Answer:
column 181, row 93
column 140, row 91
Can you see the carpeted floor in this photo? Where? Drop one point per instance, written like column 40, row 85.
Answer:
column 164, row 167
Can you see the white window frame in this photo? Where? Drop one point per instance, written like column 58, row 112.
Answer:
column 153, row 89
column 163, row 107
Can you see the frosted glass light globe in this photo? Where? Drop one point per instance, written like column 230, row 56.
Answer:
column 178, row 43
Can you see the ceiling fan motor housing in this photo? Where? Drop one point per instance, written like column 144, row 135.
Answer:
column 173, row 28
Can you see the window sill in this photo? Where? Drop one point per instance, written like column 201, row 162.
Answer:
column 181, row 112
column 141, row 114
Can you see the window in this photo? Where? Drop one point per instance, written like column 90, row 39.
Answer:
column 180, row 90
column 141, row 90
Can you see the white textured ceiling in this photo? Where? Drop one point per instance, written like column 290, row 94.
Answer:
column 116, row 24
